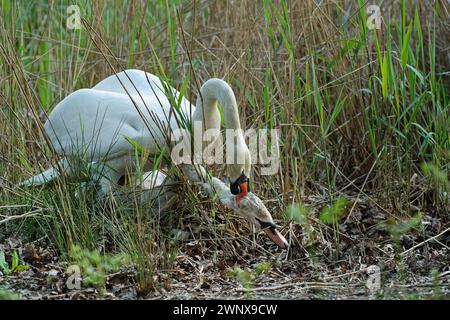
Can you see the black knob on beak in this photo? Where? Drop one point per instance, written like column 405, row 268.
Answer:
column 266, row 225
column 236, row 188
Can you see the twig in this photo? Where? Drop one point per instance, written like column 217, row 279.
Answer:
column 443, row 274
column 423, row 242
column 13, row 206
column 346, row 274
column 304, row 285
column 416, row 285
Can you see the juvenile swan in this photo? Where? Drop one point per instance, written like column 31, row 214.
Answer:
column 155, row 188
column 101, row 127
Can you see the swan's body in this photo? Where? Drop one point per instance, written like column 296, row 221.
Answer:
column 101, row 127
column 104, row 119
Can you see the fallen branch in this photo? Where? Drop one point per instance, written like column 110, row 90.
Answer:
column 304, row 285
column 423, row 242
column 14, row 206
column 20, row 216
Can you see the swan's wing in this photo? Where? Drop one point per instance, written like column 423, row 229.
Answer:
column 99, row 125
column 153, row 179
column 145, row 86
column 135, row 82
column 104, row 122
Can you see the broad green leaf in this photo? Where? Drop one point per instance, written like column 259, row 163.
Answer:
column 332, row 214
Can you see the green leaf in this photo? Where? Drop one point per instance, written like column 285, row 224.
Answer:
column 317, row 97
column 336, row 111
column 20, row 267
column 439, row 177
column 399, row 228
column 8, row 295
column 417, row 73
column 346, row 47
column 183, row 90
column 262, row 267
column 298, row 213
column 15, row 263
column 384, row 75
column 405, row 48
column 15, row 260
column 4, row 267
column 139, row 149
column 332, row 214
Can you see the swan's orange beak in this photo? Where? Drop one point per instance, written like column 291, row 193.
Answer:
column 277, row 237
column 240, row 186
column 243, row 193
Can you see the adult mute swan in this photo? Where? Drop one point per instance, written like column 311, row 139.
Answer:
column 102, row 126
column 99, row 124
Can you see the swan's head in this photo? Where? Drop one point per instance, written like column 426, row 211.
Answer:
column 240, row 185
column 240, row 173
column 253, row 209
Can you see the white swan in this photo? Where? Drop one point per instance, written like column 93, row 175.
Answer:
column 156, row 189
column 246, row 205
column 103, row 125
column 99, row 123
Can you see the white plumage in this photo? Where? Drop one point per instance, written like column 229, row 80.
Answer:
column 100, row 128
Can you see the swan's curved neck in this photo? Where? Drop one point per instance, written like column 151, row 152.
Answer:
column 207, row 114
column 206, row 109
